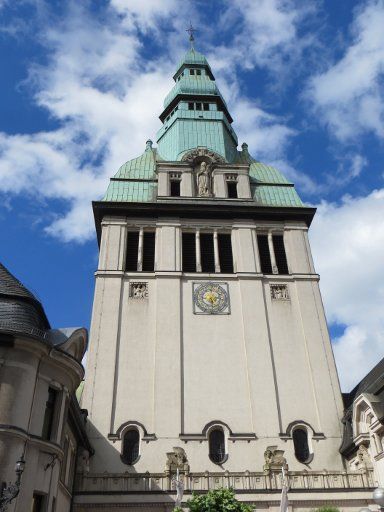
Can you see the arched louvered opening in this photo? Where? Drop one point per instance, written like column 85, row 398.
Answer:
column 131, row 446
column 217, row 446
column 300, row 442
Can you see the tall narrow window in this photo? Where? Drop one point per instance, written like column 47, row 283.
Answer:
column 300, row 442
column 207, row 254
column 217, row 446
column 191, row 71
column 265, row 257
column 131, row 445
column 149, row 251
column 189, row 252
column 198, row 71
column 198, row 106
column 191, row 106
column 175, row 188
column 49, row 414
column 225, row 253
column 232, row 189
column 132, row 251
column 206, row 106
column 280, row 256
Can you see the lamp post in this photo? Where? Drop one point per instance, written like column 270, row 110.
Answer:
column 8, row 493
column 378, row 498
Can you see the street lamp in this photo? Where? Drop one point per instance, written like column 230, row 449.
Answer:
column 8, row 493
column 378, row 497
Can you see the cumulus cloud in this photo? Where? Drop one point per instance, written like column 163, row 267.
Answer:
column 353, row 233
column 348, row 96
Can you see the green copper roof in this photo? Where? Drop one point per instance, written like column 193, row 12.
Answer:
column 143, row 166
column 194, row 86
column 193, row 57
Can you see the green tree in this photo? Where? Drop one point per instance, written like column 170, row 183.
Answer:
column 217, row 500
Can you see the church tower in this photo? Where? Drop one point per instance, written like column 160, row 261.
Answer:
column 209, row 350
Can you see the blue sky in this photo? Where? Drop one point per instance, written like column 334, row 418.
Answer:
column 81, row 90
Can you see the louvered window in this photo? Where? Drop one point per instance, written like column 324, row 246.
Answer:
column 175, row 188
column 149, row 251
column 207, row 254
column 132, row 263
column 132, row 251
column 217, row 446
column 225, row 253
column 265, row 257
column 131, row 445
column 300, row 442
column 189, row 252
column 280, row 256
column 232, row 189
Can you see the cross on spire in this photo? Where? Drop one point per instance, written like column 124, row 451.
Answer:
column 191, row 32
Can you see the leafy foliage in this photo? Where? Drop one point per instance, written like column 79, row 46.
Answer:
column 217, row 500
column 327, row 508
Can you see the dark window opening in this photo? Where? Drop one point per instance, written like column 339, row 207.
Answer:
column 49, row 414
column 38, row 503
column 191, row 71
column 207, row 255
column 280, row 256
column 198, row 71
column 300, row 442
column 149, row 251
column 206, row 106
column 191, row 106
column 198, row 106
column 265, row 257
column 217, row 446
column 131, row 443
column 232, row 189
column 189, row 252
column 132, row 251
column 225, row 253
column 175, row 188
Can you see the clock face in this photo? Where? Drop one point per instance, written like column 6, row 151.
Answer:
column 211, row 298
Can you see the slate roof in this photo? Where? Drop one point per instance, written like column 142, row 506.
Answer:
column 372, row 383
column 19, row 309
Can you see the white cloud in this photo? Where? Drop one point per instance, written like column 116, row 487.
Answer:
column 265, row 34
column 353, row 233
column 349, row 96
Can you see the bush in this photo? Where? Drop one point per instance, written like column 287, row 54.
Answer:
column 327, row 508
column 218, row 500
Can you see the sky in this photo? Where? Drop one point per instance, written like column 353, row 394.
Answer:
column 81, row 89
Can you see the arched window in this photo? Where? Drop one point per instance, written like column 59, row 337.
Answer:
column 131, row 444
column 217, row 446
column 300, row 442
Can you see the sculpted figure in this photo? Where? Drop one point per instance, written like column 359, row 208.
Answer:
column 177, row 460
column 204, row 180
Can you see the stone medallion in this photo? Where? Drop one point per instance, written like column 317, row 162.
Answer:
column 211, row 298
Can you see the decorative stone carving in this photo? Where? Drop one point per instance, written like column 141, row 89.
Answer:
column 82, row 465
column 274, row 459
column 177, row 460
column 279, row 292
column 231, row 177
column 363, row 459
column 138, row 290
column 204, row 181
column 200, row 152
column 211, row 298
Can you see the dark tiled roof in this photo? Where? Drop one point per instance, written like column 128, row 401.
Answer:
column 372, row 383
column 20, row 311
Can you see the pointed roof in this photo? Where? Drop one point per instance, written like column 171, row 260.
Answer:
column 19, row 308
column 193, row 57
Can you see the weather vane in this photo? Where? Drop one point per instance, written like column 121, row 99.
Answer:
column 191, row 31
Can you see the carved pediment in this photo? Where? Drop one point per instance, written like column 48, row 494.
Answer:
column 202, row 153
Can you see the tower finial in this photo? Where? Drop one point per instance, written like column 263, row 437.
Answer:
column 191, row 31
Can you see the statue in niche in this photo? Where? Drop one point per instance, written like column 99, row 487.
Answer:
column 204, row 188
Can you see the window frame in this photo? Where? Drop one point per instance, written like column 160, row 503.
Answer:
column 123, row 457
column 217, row 427
column 304, row 428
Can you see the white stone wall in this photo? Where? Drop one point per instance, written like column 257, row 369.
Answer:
column 265, row 365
